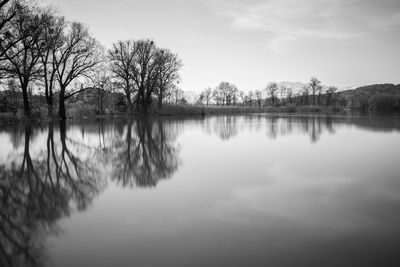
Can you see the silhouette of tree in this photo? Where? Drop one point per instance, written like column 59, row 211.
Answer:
column 21, row 61
column 145, row 70
column 167, row 73
column 225, row 94
column 121, row 58
column 76, row 58
column 207, row 95
column 315, row 87
column 53, row 37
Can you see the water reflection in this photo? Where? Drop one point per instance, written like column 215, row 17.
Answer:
column 54, row 171
column 313, row 126
column 36, row 190
column 55, row 174
column 144, row 153
column 227, row 127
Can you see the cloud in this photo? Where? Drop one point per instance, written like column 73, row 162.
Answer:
column 285, row 22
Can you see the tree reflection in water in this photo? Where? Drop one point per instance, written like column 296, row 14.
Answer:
column 51, row 172
column 146, row 153
column 39, row 187
column 38, row 190
column 312, row 125
column 227, row 127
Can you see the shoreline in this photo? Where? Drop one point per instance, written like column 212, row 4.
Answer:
column 8, row 118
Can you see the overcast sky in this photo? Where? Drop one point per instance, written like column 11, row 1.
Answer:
column 252, row 42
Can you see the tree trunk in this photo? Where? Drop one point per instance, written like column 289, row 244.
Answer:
column 160, row 100
column 27, row 108
column 50, row 107
column 128, row 96
column 61, row 104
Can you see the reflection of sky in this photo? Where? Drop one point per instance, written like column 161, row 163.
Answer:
column 249, row 199
column 5, row 145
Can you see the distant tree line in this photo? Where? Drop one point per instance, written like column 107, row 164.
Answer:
column 380, row 97
column 272, row 95
column 41, row 50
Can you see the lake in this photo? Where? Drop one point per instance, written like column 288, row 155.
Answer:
column 255, row 190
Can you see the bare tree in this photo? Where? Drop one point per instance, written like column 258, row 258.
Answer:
column 207, row 95
column 21, row 58
column 102, row 83
column 226, row 93
column 315, row 87
column 76, row 58
column 272, row 89
column 258, row 95
column 232, row 95
column 53, row 34
column 9, row 13
column 145, row 70
column 169, row 65
column 121, row 57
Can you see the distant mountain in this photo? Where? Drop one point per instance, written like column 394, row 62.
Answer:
column 386, row 88
column 371, row 90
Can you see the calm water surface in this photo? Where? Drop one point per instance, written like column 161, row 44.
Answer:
column 218, row 191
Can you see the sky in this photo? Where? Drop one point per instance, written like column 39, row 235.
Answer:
column 250, row 43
